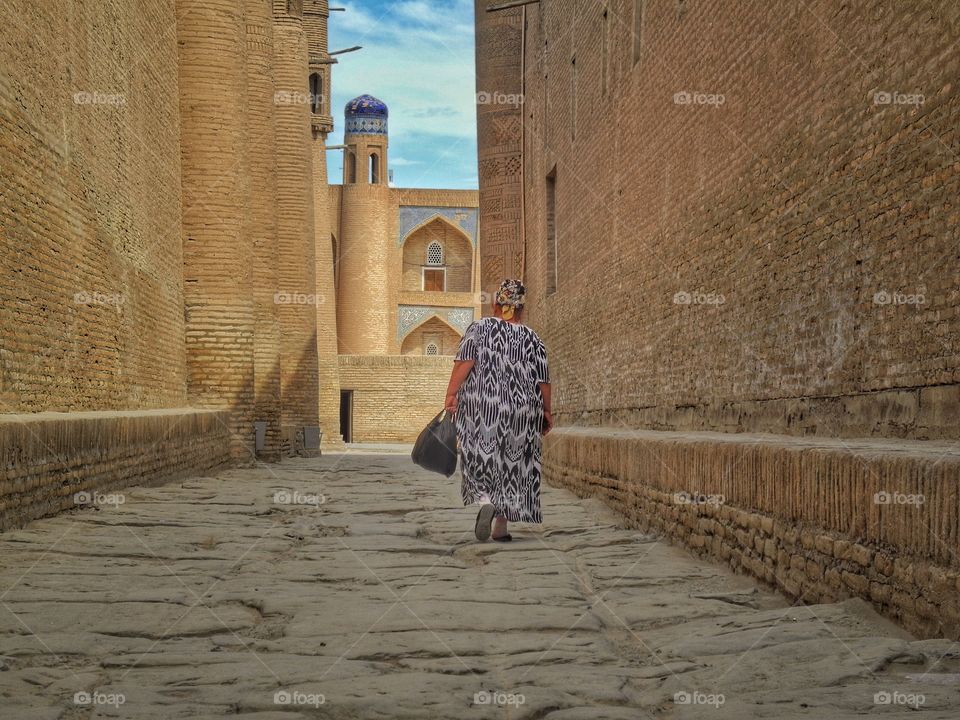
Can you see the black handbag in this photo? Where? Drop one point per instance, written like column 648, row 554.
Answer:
column 436, row 447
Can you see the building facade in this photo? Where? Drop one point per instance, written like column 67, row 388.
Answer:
column 397, row 278
column 741, row 250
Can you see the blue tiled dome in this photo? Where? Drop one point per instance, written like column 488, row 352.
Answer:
column 366, row 114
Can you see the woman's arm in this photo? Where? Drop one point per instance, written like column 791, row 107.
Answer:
column 547, row 407
column 461, row 369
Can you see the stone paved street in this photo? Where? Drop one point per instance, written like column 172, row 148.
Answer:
column 215, row 597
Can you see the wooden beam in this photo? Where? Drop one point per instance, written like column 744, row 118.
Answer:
column 511, row 4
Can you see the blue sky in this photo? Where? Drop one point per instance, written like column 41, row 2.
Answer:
column 418, row 58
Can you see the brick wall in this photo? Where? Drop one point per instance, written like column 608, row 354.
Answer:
column 754, row 229
column 217, row 222
column 90, row 311
column 394, row 397
column 820, row 519
column 47, row 458
column 500, row 81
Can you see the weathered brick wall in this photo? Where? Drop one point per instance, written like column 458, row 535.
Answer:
column 394, row 396
column 499, row 83
column 820, row 519
column 47, row 458
column 756, row 230
column 217, row 223
column 295, row 224
column 91, row 302
column 261, row 188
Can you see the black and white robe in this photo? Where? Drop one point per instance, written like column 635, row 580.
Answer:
column 500, row 418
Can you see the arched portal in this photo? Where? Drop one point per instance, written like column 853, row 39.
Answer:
column 438, row 257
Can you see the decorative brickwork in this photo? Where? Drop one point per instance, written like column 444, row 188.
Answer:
column 500, row 82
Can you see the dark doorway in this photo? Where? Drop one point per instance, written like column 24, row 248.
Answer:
column 346, row 415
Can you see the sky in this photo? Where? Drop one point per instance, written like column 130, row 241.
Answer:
column 418, row 58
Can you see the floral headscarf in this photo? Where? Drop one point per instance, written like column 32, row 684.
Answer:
column 510, row 297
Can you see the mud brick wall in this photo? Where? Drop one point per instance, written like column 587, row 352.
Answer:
column 91, row 303
column 47, row 458
column 820, row 519
column 756, row 212
column 394, row 396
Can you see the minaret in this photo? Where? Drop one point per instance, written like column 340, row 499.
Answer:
column 366, row 298
column 316, row 15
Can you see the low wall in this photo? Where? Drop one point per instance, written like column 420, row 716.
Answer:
column 394, row 396
column 47, row 458
column 820, row 519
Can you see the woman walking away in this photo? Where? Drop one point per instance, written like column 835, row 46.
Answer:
column 500, row 393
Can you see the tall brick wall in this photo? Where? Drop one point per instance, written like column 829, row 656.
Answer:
column 217, row 237
column 755, row 230
column 261, row 188
column 500, row 81
column 91, row 302
column 295, row 224
column 742, row 218
column 394, row 397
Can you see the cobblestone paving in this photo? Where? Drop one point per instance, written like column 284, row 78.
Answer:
column 248, row 594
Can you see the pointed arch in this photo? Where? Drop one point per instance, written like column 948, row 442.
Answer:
column 427, row 319
column 436, row 216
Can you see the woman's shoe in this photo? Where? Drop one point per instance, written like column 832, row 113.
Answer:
column 503, row 538
column 484, row 519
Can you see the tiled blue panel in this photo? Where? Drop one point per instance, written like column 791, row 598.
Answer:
column 409, row 316
column 412, row 216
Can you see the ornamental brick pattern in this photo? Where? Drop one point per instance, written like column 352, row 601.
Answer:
column 500, row 142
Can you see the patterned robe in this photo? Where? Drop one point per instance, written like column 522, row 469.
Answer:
column 500, row 418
